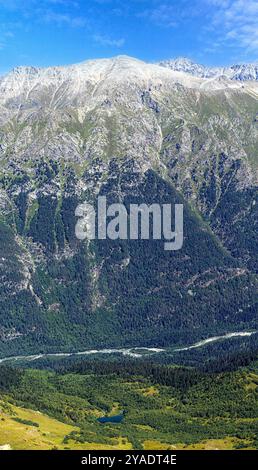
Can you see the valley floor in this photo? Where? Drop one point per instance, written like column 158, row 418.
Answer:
column 48, row 410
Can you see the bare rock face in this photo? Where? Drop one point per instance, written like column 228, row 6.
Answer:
column 134, row 132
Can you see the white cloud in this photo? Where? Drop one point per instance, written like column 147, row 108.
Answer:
column 162, row 15
column 16, row 4
column 51, row 11
column 106, row 41
column 65, row 19
column 6, row 36
column 24, row 5
column 9, row 34
column 69, row 3
column 237, row 22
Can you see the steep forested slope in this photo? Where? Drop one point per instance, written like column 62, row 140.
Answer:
column 135, row 133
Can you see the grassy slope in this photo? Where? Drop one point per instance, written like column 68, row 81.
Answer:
column 48, row 435
column 20, row 436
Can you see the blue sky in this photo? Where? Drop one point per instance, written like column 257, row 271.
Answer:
column 53, row 32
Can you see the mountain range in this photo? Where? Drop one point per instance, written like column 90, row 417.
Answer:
column 242, row 72
column 134, row 132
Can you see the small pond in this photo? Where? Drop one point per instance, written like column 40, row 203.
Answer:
column 112, row 419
